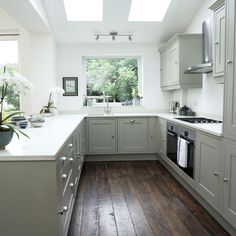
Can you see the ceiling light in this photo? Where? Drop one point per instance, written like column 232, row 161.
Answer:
column 113, row 35
column 84, row 10
column 148, row 10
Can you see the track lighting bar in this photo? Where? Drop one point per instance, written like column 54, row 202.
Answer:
column 113, row 35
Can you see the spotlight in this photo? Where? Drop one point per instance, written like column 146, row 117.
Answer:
column 130, row 38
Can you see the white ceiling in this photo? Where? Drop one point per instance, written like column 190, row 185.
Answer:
column 115, row 18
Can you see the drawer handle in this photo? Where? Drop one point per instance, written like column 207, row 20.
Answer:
column 226, row 180
column 64, row 176
column 71, row 159
column 63, row 210
column 216, row 42
column 63, row 159
column 229, row 62
column 72, row 185
column 113, row 136
column 132, row 121
column 216, row 173
column 152, row 135
column 70, row 145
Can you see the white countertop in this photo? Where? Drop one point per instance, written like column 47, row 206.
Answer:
column 44, row 142
column 214, row 129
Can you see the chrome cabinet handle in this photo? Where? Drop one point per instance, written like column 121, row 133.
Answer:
column 226, row 180
column 216, row 42
column 229, row 62
column 132, row 121
column 63, row 159
column 113, row 136
column 216, row 173
column 72, row 185
column 71, row 159
column 70, row 145
column 152, row 135
column 63, row 210
column 64, row 176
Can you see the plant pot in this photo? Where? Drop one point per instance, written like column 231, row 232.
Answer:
column 5, row 138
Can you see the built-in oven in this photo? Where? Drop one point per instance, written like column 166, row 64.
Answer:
column 177, row 136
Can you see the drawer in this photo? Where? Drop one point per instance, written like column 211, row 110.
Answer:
column 67, row 200
column 65, row 154
column 64, row 176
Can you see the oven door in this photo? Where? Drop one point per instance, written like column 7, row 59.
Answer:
column 190, row 162
column 172, row 139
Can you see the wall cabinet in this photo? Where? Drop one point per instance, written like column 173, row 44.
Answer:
column 229, row 183
column 121, row 135
column 208, row 168
column 175, row 58
column 218, row 40
column 161, row 137
column 101, row 135
column 230, row 81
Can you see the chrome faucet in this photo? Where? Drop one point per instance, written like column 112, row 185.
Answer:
column 107, row 108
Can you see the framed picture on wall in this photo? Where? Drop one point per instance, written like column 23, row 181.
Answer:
column 70, row 85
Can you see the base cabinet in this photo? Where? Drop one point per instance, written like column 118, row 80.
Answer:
column 229, row 183
column 129, row 135
column 208, row 168
column 37, row 197
column 101, row 135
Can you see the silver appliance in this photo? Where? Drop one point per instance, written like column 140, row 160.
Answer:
column 206, row 66
column 173, row 132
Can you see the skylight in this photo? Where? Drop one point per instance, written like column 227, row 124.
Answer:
column 84, row 10
column 148, row 10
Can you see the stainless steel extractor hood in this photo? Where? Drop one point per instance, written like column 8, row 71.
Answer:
column 206, row 65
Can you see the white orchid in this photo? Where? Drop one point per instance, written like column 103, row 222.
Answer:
column 57, row 90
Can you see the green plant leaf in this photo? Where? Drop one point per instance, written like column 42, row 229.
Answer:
column 12, row 114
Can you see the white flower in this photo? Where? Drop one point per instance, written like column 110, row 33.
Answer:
column 19, row 83
column 57, row 90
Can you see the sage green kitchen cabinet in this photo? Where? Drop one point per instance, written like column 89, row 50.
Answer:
column 208, row 168
column 175, row 57
column 230, row 81
column 133, row 135
column 218, row 51
column 37, row 196
column 229, row 183
column 102, row 137
column 161, row 137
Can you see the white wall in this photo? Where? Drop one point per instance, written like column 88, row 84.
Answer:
column 37, row 62
column 209, row 99
column 70, row 64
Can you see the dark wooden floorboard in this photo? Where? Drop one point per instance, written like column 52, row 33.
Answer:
column 136, row 198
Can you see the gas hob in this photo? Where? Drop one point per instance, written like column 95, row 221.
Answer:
column 199, row 120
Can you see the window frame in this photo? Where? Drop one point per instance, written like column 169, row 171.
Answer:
column 13, row 36
column 140, row 73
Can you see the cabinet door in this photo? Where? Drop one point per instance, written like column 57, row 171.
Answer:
column 229, row 184
column 230, row 81
column 174, row 64
column 161, row 123
column 219, row 44
column 208, row 168
column 151, row 135
column 101, row 136
column 165, row 68
column 132, row 135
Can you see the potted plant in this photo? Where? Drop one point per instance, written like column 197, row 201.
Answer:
column 20, row 85
column 49, row 108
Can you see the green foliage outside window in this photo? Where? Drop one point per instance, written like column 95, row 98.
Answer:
column 116, row 77
column 12, row 99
